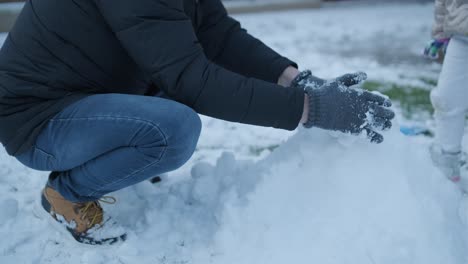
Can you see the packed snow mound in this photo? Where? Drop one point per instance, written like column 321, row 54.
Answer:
column 318, row 198
column 341, row 200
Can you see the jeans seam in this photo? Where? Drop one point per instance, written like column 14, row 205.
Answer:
column 92, row 194
column 103, row 117
column 115, row 118
column 122, row 118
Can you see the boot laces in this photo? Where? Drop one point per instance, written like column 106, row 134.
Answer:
column 92, row 211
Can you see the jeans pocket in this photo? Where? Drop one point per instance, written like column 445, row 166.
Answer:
column 48, row 158
column 38, row 159
column 43, row 152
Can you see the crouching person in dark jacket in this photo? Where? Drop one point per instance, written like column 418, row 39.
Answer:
column 78, row 86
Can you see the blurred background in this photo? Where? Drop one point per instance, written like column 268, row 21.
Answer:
column 10, row 8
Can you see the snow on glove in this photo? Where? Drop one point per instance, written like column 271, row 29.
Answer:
column 306, row 78
column 435, row 47
column 338, row 107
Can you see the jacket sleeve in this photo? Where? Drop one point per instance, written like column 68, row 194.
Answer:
column 440, row 14
column 226, row 43
column 159, row 36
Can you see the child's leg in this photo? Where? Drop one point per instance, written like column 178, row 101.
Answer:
column 104, row 143
column 450, row 98
column 450, row 101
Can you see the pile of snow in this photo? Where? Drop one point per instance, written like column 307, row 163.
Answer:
column 318, row 198
column 326, row 201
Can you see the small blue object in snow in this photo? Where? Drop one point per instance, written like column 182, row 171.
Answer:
column 414, row 131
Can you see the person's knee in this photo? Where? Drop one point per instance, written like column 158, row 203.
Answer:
column 171, row 136
column 180, row 127
column 185, row 132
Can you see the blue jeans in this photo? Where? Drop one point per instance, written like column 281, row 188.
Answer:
column 104, row 143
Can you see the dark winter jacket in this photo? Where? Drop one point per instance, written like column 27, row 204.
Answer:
column 60, row 51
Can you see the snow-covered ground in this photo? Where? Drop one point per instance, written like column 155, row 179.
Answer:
column 259, row 195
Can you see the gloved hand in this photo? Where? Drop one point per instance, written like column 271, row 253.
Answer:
column 306, row 78
column 336, row 106
column 435, row 47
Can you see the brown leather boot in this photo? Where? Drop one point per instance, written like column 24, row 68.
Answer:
column 85, row 221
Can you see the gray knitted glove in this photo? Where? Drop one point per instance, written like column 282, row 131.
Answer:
column 336, row 106
column 306, row 78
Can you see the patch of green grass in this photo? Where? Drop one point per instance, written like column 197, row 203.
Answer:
column 428, row 81
column 413, row 100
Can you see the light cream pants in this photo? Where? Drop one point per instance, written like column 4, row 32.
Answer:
column 450, row 98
